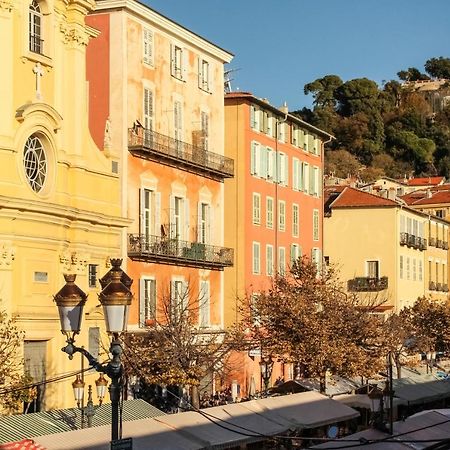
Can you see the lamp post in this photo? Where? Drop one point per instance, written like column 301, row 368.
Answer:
column 115, row 298
column 376, row 398
column 266, row 366
column 88, row 411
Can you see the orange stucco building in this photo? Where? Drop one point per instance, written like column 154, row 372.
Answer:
column 274, row 204
column 156, row 106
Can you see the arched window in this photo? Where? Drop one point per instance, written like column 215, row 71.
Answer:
column 35, row 163
column 35, row 28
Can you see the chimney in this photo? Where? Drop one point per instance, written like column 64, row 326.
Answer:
column 284, row 109
column 391, row 194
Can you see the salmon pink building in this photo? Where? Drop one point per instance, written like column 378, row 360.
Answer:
column 156, row 106
column 274, row 204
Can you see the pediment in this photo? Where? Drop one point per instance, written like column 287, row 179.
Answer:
column 30, row 110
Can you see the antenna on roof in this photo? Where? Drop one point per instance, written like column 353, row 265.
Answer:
column 227, row 80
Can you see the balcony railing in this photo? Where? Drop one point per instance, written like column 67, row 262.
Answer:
column 439, row 243
column 445, row 245
column 367, row 284
column 182, row 253
column 164, row 149
column 432, row 241
column 445, row 287
column 432, row 286
column 413, row 241
column 439, row 287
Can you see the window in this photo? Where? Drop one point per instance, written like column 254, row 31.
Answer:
column 282, row 131
column 256, row 258
column 282, row 261
column 92, row 275
column 254, row 117
column 281, row 215
column 148, row 116
column 205, row 130
column 401, row 266
column 179, row 297
column 147, row 46
column 254, row 310
column 256, row 209
column 179, row 217
column 373, row 269
column 255, row 154
column 295, row 220
column 203, row 75
column 177, row 63
column 94, row 341
column 270, row 166
column 420, row 270
column 269, row 260
column 306, row 178
column 147, row 300
column 178, row 121
column 408, row 274
column 204, row 304
column 203, row 223
column 35, row 163
column 269, row 212
column 316, row 182
column 146, row 213
column 295, row 253
column 316, row 258
column 35, row 28
column 282, row 176
column 295, row 174
column 414, row 269
column 315, row 224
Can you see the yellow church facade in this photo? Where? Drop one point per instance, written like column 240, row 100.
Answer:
column 60, row 196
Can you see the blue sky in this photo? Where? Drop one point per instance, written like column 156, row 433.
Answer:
column 280, row 45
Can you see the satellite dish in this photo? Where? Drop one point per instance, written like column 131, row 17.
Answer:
column 332, row 431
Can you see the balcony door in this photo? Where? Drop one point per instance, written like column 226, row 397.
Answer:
column 373, row 269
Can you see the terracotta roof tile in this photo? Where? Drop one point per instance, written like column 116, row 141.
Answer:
column 425, row 181
column 351, row 197
column 436, row 197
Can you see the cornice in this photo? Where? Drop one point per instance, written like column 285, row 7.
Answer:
column 71, row 214
column 176, row 30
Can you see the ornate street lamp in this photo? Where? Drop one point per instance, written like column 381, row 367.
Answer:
column 266, row 366
column 115, row 298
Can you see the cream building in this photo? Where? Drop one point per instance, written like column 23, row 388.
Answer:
column 382, row 248
column 59, row 193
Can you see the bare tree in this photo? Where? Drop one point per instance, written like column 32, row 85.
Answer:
column 12, row 377
column 305, row 318
column 176, row 349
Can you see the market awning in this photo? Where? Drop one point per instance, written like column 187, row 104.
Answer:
column 24, row 444
column 213, row 428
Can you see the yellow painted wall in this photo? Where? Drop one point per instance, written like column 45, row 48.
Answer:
column 75, row 220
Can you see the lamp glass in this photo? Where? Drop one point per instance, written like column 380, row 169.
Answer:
column 70, row 318
column 116, row 318
column 78, row 389
column 101, row 386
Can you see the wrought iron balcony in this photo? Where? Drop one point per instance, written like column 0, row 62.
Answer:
column 439, row 287
column 165, row 250
column 164, row 149
column 439, row 243
column 445, row 287
column 445, row 245
column 367, row 284
column 413, row 241
column 403, row 238
column 432, row 242
column 432, row 286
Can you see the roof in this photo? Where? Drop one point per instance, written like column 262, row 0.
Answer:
column 424, row 430
column 350, row 197
column 24, row 444
column 143, row 10
column 425, row 198
column 20, row 426
column 424, row 181
column 266, row 105
column 223, row 426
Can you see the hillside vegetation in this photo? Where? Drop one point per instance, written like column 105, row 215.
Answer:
column 399, row 129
